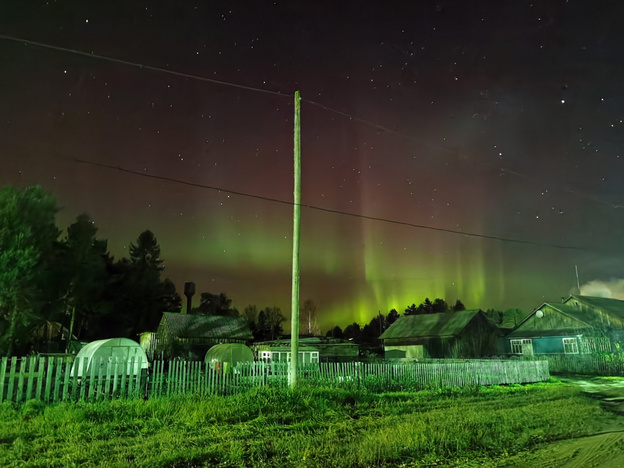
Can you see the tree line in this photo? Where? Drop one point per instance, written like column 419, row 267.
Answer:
column 46, row 279
column 74, row 281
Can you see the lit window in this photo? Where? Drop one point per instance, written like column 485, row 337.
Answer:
column 570, row 346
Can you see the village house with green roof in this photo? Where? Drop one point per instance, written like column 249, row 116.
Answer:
column 578, row 325
column 466, row 334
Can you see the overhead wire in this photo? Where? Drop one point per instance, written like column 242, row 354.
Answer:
column 284, row 95
column 370, row 123
column 327, row 210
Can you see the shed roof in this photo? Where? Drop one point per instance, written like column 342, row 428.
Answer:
column 430, row 325
column 206, row 326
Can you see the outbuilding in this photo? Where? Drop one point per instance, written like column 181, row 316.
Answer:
column 116, row 354
column 232, row 353
column 466, row 334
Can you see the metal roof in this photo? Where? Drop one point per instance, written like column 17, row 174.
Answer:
column 614, row 308
column 587, row 313
column 430, row 325
column 206, row 326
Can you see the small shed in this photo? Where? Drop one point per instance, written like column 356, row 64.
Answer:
column 468, row 333
column 119, row 352
column 231, row 353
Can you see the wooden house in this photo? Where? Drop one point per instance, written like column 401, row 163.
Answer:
column 578, row 325
column 327, row 349
column 468, row 333
column 188, row 334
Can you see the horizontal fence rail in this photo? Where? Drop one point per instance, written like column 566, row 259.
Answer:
column 55, row 379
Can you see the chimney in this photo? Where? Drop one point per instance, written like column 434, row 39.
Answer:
column 189, row 291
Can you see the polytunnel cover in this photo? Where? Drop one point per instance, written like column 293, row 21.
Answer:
column 229, row 352
column 118, row 352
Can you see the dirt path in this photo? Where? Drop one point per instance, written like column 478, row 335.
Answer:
column 605, row 449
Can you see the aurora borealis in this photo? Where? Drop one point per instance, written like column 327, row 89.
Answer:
column 503, row 120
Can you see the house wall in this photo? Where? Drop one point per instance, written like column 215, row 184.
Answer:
column 549, row 345
column 407, row 352
column 478, row 339
column 552, row 320
column 422, row 347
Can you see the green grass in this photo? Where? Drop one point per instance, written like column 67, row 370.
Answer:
column 307, row 427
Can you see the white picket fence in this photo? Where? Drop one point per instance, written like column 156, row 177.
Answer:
column 50, row 379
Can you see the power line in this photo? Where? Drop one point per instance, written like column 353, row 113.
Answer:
column 329, row 210
column 287, row 95
column 139, row 65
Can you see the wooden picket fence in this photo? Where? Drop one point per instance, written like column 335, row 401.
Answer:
column 607, row 364
column 51, row 379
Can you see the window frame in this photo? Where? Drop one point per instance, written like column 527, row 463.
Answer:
column 517, row 346
column 570, row 345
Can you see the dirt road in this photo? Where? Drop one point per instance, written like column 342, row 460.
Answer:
column 603, row 450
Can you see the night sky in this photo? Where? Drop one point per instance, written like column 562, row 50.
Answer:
column 500, row 119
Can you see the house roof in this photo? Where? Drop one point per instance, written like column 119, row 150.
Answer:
column 585, row 313
column 430, row 325
column 206, row 326
column 611, row 307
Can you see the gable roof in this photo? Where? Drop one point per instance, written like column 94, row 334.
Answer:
column 577, row 315
column 593, row 312
column 612, row 307
column 430, row 325
column 206, row 326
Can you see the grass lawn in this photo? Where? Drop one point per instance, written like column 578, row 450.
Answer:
column 307, row 427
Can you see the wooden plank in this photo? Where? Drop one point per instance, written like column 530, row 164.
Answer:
column 40, row 379
column 48, row 384
column 117, row 370
column 57, row 379
column 131, row 381
column 12, row 376
column 108, row 370
column 3, row 368
column 169, row 368
column 66, row 363
column 19, row 395
column 32, row 375
column 83, row 363
column 93, row 363
column 74, row 380
column 123, row 391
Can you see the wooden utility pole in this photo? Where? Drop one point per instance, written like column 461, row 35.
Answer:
column 294, row 318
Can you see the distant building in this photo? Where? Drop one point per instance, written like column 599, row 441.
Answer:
column 578, row 325
column 468, row 333
column 188, row 335
column 321, row 349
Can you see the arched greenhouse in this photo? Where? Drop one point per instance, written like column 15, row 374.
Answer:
column 113, row 356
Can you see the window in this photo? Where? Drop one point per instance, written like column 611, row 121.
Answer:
column 570, row 346
column 265, row 356
column 524, row 346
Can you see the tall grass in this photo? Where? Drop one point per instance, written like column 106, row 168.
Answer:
column 304, row 427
